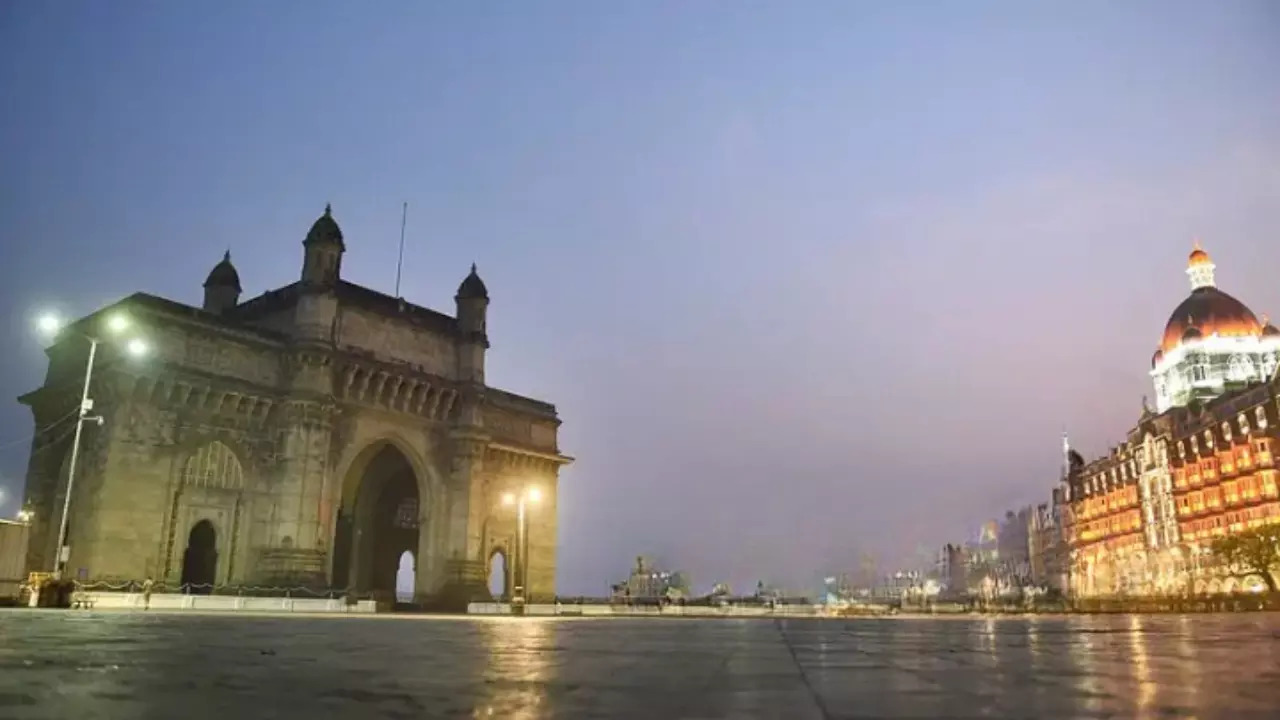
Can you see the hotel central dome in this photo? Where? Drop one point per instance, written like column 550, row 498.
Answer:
column 1211, row 340
column 1209, row 311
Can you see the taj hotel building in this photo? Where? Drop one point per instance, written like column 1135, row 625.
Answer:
column 1199, row 465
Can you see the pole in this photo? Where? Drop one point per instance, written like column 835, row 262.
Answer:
column 524, row 558
column 520, row 532
column 71, row 464
column 404, row 217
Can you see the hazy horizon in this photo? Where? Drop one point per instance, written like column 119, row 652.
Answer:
column 803, row 280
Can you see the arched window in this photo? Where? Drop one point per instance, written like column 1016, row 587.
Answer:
column 1240, row 368
column 213, row 466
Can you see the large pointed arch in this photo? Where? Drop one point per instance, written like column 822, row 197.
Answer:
column 357, row 462
column 384, row 497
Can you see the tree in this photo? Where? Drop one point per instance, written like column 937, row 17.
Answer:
column 1252, row 552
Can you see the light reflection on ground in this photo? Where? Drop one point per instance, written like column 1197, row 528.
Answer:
column 233, row 667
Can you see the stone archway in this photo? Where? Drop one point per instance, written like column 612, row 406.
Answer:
column 499, row 575
column 200, row 559
column 378, row 521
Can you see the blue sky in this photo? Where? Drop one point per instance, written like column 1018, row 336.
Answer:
column 804, row 279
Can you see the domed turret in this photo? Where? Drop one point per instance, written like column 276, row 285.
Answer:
column 322, row 256
column 472, row 302
column 222, row 287
column 325, row 230
column 1200, row 268
column 472, row 287
column 1269, row 330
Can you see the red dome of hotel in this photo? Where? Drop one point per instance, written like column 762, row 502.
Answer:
column 1207, row 310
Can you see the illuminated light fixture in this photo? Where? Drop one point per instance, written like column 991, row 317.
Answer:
column 118, row 322
column 49, row 324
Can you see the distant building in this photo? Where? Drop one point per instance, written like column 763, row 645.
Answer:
column 953, row 569
column 1013, row 561
column 1046, row 550
column 898, row 586
column 648, row 582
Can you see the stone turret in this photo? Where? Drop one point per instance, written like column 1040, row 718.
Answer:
column 222, row 287
column 472, row 309
column 323, row 248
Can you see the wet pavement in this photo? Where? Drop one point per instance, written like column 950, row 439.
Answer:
column 85, row 665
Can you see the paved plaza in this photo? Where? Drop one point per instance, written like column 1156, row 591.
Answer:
column 151, row 665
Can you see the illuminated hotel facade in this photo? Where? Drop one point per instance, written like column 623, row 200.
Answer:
column 1200, row 465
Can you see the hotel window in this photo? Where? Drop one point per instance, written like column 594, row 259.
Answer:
column 1261, row 416
column 1226, row 432
column 1249, row 488
column 1230, row 493
column 1182, row 450
column 1244, row 424
column 1208, row 439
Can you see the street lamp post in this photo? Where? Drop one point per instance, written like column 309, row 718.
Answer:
column 521, row 500
column 60, row 560
column 51, row 325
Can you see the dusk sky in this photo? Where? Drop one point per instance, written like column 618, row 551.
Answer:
column 805, row 280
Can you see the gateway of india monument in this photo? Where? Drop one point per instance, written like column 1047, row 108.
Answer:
column 309, row 436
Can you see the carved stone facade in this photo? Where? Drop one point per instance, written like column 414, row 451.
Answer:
column 307, row 436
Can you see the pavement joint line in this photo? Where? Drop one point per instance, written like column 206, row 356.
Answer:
column 711, row 679
column 804, row 676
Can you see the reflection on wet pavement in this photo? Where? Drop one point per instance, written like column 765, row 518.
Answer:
column 105, row 665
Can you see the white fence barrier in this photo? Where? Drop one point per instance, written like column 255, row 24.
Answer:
column 601, row 610
column 222, row 603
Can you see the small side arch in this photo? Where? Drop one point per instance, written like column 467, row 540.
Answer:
column 498, row 573
column 200, row 558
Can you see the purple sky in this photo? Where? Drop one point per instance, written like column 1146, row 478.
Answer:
column 804, row 279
